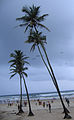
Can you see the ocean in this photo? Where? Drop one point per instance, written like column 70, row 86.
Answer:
column 35, row 96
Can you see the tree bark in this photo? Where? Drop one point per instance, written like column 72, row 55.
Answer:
column 30, row 111
column 20, row 107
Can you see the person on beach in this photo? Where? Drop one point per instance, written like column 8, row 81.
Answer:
column 44, row 104
column 18, row 107
column 68, row 102
column 49, row 105
column 25, row 103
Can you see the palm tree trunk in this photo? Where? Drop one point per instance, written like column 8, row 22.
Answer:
column 46, row 65
column 20, row 109
column 54, row 81
column 44, row 62
column 30, row 111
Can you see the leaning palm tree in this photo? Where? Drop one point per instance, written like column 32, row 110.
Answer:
column 17, row 67
column 38, row 39
column 31, row 19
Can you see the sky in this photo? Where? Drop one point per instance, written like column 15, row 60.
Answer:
column 60, row 45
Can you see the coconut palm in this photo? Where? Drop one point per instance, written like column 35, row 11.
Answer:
column 31, row 19
column 17, row 67
column 38, row 39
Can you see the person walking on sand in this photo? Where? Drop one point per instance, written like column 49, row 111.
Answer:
column 49, row 105
column 68, row 102
column 18, row 107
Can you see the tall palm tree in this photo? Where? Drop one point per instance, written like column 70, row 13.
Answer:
column 38, row 39
column 17, row 67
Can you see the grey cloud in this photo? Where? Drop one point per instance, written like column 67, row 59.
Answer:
column 60, row 22
column 60, row 41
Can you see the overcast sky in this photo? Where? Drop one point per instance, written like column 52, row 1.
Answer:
column 60, row 45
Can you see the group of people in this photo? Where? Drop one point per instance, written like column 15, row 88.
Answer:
column 47, row 104
column 44, row 104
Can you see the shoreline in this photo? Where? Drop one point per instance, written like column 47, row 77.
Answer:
column 63, row 91
column 35, row 96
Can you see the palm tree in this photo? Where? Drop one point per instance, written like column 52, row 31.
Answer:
column 17, row 67
column 31, row 19
column 38, row 39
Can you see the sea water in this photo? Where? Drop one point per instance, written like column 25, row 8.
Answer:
column 35, row 96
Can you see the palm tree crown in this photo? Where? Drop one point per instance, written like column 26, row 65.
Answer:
column 18, row 62
column 36, row 38
column 31, row 18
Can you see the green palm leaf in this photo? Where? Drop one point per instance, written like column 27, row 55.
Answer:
column 41, row 18
column 41, row 25
column 26, row 68
column 26, row 28
column 33, row 47
column 12, row 75
column 12, row 61
column 25, row 74
column 26, row 10
column 17, row 64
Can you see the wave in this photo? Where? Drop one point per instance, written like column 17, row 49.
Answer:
column 33, row 96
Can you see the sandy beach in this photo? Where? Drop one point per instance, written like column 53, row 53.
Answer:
column 40, row 112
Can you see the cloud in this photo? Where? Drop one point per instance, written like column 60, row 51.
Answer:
column 60, row 42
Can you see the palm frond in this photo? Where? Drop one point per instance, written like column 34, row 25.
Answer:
column 33, row 47
column 29, row 41
column 25, row 74
column 41, row 18
column 43, row 38
column 37, row 10
column 42, row 45
column 34, row 11
column 12, row 61
column 21, row 25
column 13, row 65
column 12, row 55
column 24, row 19
column 26, row 28
column 41, row 25
column 25, row 58
column 21, row 18
column 12, row 69
column 12, row 75
column 27, row 62
column 26, row 10
column 25, row 68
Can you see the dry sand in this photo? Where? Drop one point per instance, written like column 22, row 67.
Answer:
column 40, row 113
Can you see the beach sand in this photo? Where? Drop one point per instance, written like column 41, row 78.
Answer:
column 40, row 112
